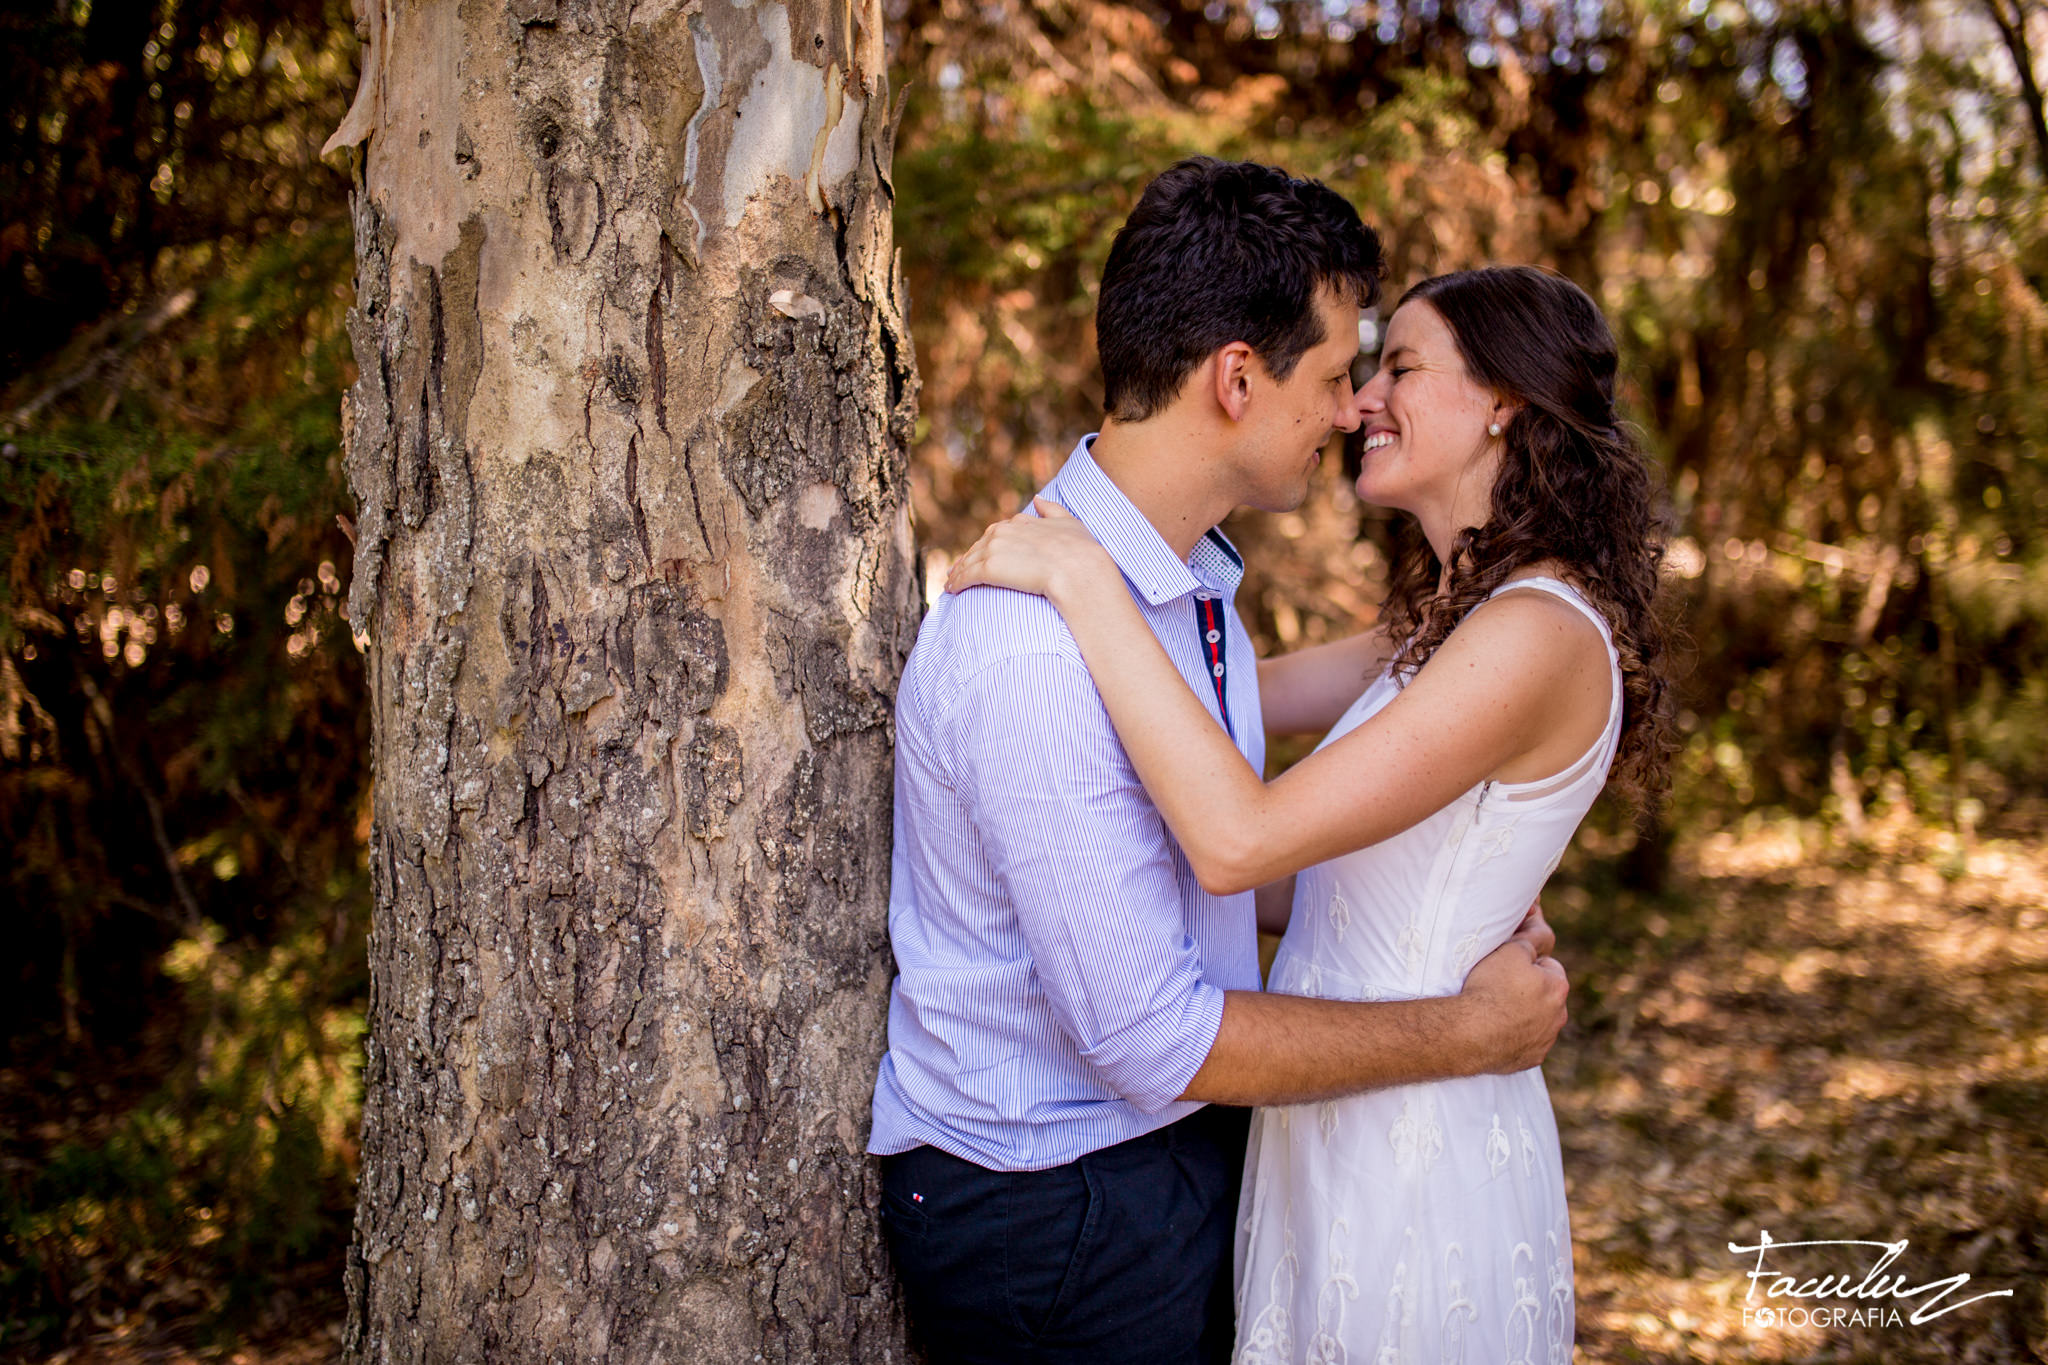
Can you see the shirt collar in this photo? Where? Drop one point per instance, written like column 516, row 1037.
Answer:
column 1133, row 542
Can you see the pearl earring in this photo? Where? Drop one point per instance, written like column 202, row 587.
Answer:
column 1493, row 429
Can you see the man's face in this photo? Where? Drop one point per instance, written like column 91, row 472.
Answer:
column 1287, row 422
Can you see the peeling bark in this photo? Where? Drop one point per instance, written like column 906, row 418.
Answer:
column 634, row 576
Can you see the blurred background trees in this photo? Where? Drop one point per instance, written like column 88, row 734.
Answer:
column 1817, row 225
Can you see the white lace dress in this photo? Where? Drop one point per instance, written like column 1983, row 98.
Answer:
column 1424, row 1223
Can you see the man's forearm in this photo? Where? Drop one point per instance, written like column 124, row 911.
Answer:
column 1286, row 1049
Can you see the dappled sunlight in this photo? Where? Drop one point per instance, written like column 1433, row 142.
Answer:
column 1857, row 1079
column 1833, row 1041
column 1817, row 230
column 1699, row 1320
column 1780, row 846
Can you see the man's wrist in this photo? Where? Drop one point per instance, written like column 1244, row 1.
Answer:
column 1471, row 1025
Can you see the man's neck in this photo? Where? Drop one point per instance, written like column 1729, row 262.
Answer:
column 1169, row 475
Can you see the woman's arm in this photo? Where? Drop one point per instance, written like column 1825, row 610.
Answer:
column 1309, row 690
column 1486, row 697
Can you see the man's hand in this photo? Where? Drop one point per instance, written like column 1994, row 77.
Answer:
column 1288, row 1049
column 1535, row 931
column 1515, row 1001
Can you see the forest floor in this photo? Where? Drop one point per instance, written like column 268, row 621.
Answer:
column 1828, row 1040
column 1823, row 1039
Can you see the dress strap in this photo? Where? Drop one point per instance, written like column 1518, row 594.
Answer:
column 1558, row 588
column 1602, row 750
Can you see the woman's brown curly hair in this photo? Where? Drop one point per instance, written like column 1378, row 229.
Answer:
column 1574, row 487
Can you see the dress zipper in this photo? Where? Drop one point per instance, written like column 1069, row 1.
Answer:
column 1436, row 901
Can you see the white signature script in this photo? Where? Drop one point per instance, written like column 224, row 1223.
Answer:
column 1874, row 1284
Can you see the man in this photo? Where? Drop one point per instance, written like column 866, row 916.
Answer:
column 1070, row 1002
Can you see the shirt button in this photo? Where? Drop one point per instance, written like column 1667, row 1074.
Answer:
column 1202, row 597
column 1217, row 670
column 1213, row 636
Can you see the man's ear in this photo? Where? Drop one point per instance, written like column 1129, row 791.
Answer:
column 1233, row 379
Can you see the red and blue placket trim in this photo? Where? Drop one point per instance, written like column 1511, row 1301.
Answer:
column 1209, row 622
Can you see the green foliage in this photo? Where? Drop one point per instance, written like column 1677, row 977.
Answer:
column 265, row 1123
column 132, row 134
column 181, row 793
column 1818, row 231
column 241, row 1162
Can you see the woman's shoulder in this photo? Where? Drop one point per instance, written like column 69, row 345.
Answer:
column 1537, row 619
column 1538, row 589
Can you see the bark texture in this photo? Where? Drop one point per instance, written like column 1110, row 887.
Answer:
column 635, row 578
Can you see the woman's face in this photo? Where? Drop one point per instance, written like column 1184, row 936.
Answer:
column 1424, row 420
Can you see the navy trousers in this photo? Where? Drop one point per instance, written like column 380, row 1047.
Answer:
column 1119, row 1258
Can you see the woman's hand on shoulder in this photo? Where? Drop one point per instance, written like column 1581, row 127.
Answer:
column 1050, row 554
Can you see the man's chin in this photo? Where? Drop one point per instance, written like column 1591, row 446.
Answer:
column 1284, row 500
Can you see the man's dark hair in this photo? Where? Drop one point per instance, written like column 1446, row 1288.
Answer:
column 1216, row 252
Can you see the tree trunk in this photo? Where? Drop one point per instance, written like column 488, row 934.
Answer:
column 634, row 574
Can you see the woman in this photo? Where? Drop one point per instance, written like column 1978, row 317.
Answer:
column 1517, row 666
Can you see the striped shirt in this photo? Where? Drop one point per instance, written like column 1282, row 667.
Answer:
column 1060, row 970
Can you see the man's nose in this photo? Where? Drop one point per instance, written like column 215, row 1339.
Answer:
column 1368, row 399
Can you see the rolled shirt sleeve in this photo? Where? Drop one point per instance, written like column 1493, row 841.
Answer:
column 1081, row 852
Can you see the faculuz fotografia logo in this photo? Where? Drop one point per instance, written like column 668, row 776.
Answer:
column 1846, row 1284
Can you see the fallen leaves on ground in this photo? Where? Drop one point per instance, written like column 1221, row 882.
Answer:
column 1828, row 1040
column 1822, row 1039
